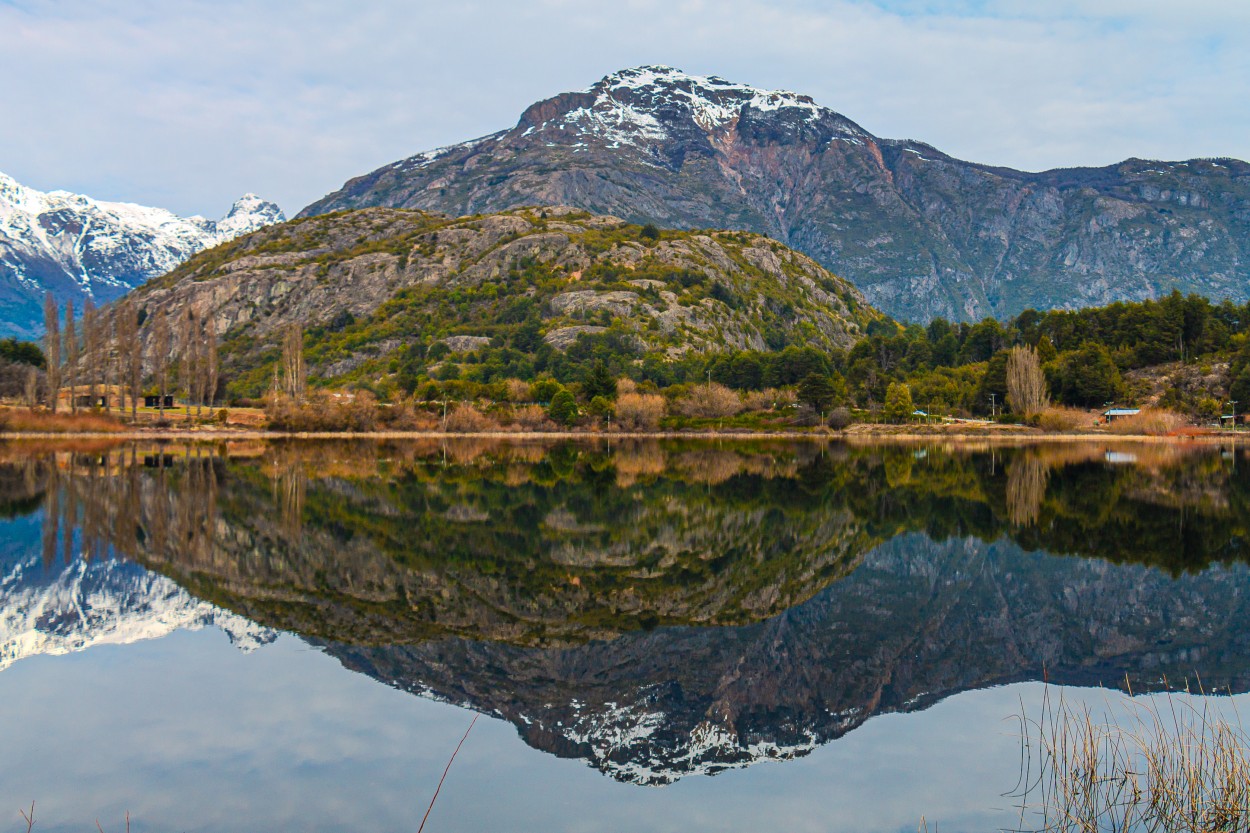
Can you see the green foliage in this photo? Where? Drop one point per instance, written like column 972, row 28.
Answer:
column 563, row 408
column 820, row 391
column 21, row 352
column 599, row 382
column 545, row 390
column 1088, row 377
column 898, row 404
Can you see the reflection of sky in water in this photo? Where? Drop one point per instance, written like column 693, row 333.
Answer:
column 190, row 734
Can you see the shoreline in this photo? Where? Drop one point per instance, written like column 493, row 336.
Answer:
column 866, row 433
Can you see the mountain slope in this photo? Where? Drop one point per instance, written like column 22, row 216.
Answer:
column 921, row 233
column 386, row 286
column 78, row 248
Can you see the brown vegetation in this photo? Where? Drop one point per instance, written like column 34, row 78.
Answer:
column 1155, row 422
column 469, row 420
column 639, row 411
column 22, row 420
column 709, row 401
column 1058, row 418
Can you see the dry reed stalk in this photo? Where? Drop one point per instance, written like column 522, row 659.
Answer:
column 1170, row 767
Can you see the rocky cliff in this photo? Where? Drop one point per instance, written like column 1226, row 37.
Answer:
column 920, row 232
column 373, row 283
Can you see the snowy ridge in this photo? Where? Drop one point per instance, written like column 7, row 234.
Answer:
column 78, row 247
column 107, row 602
column 647, row 103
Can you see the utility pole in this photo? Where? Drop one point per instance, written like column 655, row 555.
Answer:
column 993, row 405
column 1233, row 402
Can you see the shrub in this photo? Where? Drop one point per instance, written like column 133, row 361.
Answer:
column 599, row 407
column 768, row 399
column 710, row 400
column 563, row 408
column 639, row 411
column 545, row 390
column 839, row 419
column 1056, row 418
column 625, row 385
column 531, row 418
column 1151, row 421
column 517, row 391
column 466, row 419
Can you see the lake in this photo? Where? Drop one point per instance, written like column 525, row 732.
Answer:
column 663, row 636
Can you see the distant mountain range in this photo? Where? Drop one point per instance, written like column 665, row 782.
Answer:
column 77, row 248
column 920, row 233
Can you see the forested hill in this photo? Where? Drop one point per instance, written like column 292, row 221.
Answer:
column 390, row 298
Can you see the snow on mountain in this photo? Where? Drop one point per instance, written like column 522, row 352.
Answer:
column 77, row 247
column 107, row 602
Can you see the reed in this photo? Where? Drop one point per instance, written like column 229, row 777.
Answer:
column 1169, row 764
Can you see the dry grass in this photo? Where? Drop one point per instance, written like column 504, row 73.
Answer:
column 1171, row 765
column 1057, row 418
column 45, row 422
column 1154, row 422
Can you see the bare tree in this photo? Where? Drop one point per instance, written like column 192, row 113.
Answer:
column 294, row 373
column 190, row 361
column 31, row 391
column 160, row 356
column 212, row 368
column 71, row 356
column 1026, row 384
column 129, row 355
column 91, row 350
column 52, row 350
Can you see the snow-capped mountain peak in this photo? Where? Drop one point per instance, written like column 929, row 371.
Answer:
column 78, row 247
column 108, row 602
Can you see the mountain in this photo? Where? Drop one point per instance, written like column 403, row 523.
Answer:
column 59, row 608
column 77, row 248
column 921, row 233
column 918, row 621
column 385, row 287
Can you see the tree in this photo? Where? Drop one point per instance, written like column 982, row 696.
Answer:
column 130, row 354
column 52, row 350
column 599, row 382
column 294, row 373
column 649, row 232
column 639, row 411
column 898, row 404
column 1026, row 385
column 212, row 365
column 709, row 401
column 819, row 391
column 1088, row 376
column 160, row 356
column 563, row 408
column 71, row 356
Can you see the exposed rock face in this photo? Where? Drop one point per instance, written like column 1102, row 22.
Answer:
column 78, row 248
column 700, row 291
column 921, row 233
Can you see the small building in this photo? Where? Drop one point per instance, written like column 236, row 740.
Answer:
column 155, row 401
column 1112, row 414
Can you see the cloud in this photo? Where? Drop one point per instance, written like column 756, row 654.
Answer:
column 187, row 104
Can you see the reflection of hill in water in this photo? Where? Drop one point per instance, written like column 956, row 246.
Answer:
column 572, row 589
column 916, row 622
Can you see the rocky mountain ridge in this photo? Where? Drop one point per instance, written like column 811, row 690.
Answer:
column 920, row 232
column 77, row 247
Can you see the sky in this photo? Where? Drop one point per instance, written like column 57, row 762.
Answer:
column 188, row 104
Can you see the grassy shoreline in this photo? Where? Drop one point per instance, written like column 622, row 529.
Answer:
column 855, row 433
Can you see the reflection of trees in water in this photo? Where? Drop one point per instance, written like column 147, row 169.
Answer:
column 1026, row 489
column 121, row 501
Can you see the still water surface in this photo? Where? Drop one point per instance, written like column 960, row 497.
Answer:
column 661, row 636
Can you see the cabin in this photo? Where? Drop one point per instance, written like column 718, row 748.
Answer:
column 155, row 401
column 1112, row 414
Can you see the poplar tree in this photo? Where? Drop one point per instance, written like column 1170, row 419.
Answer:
column 52, row 350
column 71, row 356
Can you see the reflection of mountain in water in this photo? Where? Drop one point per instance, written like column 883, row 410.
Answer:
column 916, row 622
column 664, row 610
